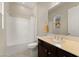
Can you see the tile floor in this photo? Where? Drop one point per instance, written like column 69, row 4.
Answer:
column 21, row 51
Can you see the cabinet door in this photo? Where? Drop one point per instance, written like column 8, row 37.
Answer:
column 52, row 51
column 42, row 51
column 60, row 53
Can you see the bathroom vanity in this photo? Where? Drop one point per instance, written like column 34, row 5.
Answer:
column 48, row 48
column 57, row 45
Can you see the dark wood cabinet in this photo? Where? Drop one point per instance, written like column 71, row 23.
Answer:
column 47, row 50
column 42, row 51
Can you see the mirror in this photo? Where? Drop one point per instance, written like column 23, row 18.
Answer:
column 73, row 21
column 69, row 19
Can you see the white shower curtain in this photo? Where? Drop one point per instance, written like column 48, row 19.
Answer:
column 20, row 30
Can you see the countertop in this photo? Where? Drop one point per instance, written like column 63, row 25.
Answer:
column 68, row 43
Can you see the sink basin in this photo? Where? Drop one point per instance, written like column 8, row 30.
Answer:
column 57, row 43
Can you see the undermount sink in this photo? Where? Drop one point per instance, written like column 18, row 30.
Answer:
column 57, row 44
column 57, row 41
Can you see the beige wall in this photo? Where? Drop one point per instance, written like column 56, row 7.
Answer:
column 0, row 7
column 2, row 40
column 18, row 10
column 42, row 18
column 61, row 10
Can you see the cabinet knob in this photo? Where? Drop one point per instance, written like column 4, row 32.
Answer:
column 49, row 52
column 45, row 50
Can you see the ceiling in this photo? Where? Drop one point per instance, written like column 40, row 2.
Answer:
column 27, row 4
column 26, row 8
column 32, row 4
column 52, row 5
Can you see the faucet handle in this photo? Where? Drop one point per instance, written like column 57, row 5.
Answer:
column 61, row 38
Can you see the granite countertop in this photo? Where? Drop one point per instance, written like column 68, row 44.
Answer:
column 69, row 43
